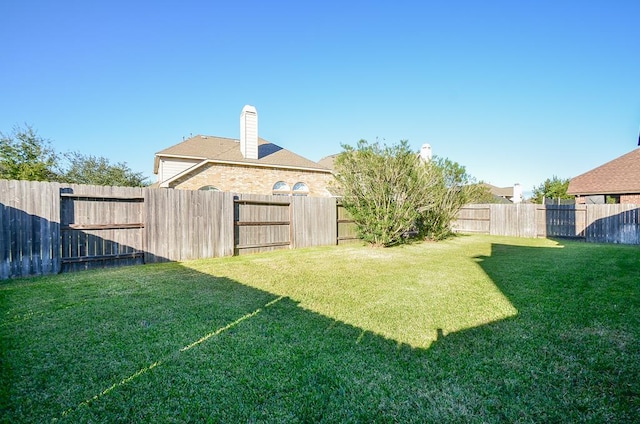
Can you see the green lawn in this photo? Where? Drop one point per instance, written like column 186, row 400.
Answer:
column 472, row 329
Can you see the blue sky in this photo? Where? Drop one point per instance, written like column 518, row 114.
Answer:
column 516, row 91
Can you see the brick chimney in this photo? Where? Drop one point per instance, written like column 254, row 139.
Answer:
column 249, row 132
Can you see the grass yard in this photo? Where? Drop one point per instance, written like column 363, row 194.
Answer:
column 473, row 329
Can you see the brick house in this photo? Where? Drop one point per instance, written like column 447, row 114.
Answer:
column 617, row 181
column 249, row 165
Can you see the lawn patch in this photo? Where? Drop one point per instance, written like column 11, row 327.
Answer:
column 475, row 329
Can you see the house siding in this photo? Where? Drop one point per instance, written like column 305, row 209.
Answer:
column 252, row 180
column 172, row 167
column 633, row 199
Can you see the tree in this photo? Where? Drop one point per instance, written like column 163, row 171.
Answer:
column 87, row 169
column 383, row 188
column 551, row 188
column 390, row 192
column 24, row 155
column 453, row 189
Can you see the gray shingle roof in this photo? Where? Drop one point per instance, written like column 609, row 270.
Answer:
column 619, row 176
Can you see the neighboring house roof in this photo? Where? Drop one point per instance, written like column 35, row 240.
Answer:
column 500, row 191
column 329, row 161
column 227, row 150
column 619, row 176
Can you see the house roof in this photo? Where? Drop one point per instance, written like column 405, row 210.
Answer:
column 329, row 161
column 619, row 176
column 499, row 191
column 227, row 150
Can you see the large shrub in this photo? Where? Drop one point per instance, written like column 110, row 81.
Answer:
column 452, row 189
column 383, row 188
column 391, row 193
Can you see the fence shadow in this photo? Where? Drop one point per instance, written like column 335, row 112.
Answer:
column 99, row 231
column 623, row 227
column 25, row 247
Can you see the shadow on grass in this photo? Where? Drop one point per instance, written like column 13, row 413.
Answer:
column 169, row 344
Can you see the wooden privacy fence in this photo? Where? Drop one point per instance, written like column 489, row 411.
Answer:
column 617, row 223
column 105, row 228
column 47, row 228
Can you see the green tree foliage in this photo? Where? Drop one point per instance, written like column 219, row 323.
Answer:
column 382, row 188
column 390, row 192
column 551, row 188
column 87, row 169
column 24, row 155
column 453, row 188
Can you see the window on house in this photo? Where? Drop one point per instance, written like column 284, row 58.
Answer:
column 209, row 188
column 612, row 199
column 281, row 189
column 300, row 189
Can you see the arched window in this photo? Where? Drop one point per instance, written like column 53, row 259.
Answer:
column 209, row 188
column 300, row 189
column 281, row 189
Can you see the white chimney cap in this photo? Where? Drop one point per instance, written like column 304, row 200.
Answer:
column 425, row 152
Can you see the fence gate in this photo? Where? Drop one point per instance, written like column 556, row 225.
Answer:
column 99, row 231
column 261, row 224
column 346, row 226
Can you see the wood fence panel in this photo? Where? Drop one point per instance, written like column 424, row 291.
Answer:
column 314, row 221
column 474, row 219
column 5, row 235
column 501, row 220
column 526, row 220
column 564, row 220
column 541, row 221
column 613, row 224
column 521, row 220
column 262, row 223
column 347, row 230
column 101, row 226
column 29, row 228
column 183, row 225
column 157, row 218
column 592, row 223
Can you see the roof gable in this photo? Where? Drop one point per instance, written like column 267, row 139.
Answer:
column 619, row 176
